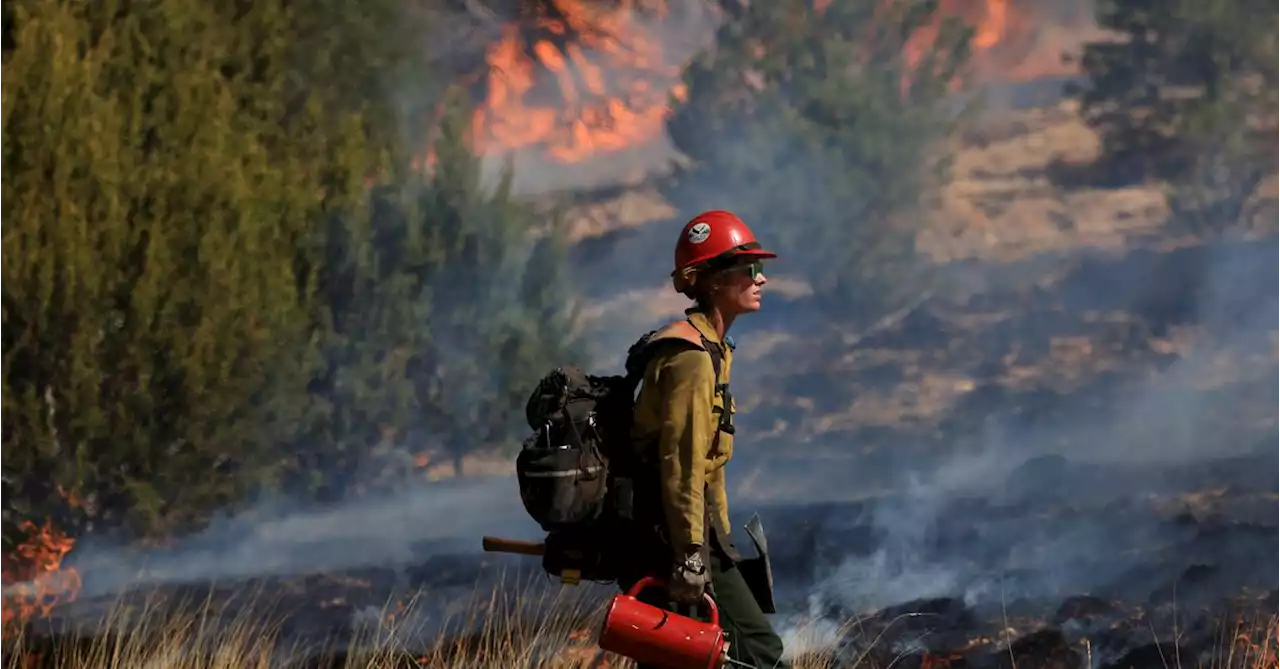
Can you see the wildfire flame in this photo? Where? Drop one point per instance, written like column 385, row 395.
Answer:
column 1013, row 43
column 612, row 81
column 992, row 28
column 592, row 80
column 33, row 577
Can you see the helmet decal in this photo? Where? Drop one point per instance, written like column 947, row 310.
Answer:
column 699, row 232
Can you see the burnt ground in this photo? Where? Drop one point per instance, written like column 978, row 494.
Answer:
column 1023, row 566
column 1143, row 555
column 1073, row 462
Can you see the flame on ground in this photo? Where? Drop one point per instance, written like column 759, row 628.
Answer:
column 34, row 580
column 582, row 649
column 611, row 77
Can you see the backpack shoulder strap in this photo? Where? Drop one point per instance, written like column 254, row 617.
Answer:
column 683, row 330
column 640, row 352
column 716, row 351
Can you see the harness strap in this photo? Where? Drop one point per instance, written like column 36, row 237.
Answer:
column 685, row 330
column 722, row 389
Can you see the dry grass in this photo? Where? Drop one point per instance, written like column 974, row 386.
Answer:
column 1250, row 645
column 555, row 630
column 237, row 635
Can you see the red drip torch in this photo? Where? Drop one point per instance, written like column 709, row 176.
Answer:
column 646, row 633
column 650, row 635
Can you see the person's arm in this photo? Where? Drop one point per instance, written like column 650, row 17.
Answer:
column 686, row 381
column 719, row 496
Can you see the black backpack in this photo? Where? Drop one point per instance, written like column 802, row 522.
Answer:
column 568, row 469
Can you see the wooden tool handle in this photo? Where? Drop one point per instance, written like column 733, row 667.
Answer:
column 500, row 545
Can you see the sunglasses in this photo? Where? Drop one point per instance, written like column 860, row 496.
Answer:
column 752, row 269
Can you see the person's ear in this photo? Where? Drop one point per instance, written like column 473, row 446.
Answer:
column 685, row 280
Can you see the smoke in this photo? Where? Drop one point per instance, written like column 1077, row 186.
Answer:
column 273, row 540
column 1085, row 502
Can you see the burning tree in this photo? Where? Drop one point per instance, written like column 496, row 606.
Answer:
column 575, row 79
column 822, row 126
column 1185, row 92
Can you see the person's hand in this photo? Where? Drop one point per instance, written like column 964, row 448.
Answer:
column 689, row 578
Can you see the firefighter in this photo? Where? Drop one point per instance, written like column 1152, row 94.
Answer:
column 683, row 429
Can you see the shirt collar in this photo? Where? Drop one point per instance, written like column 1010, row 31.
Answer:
column 703, row 325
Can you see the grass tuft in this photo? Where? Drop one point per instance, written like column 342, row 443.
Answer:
column 556, row 630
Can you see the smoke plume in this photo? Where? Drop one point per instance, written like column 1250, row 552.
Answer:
column 1098, row 499
column 274, row 540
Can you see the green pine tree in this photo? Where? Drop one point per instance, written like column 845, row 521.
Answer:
column 446, row 305
column 221, row 276
column 166, row 165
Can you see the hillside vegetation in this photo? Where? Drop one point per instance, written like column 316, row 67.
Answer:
column 224, row 279
column 221, row 278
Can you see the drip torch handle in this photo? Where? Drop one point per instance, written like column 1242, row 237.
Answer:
column 500, row 545
column 655, row 582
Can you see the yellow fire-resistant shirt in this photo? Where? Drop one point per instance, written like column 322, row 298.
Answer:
column 679, row 410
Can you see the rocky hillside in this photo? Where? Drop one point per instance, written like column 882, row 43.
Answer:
column 1011, row 195
column 1007, row 202
column 1060, row 297
column 1057, row 293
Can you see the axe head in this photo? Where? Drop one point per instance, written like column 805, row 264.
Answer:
column 757, row 571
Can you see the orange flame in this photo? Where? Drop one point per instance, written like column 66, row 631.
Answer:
column 597, row 80
column 1010, row 43
column 582, row 650
column 612, row 80
column 990, row 29
column 34, row 580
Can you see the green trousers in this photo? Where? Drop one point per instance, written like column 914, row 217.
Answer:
column 752, row 641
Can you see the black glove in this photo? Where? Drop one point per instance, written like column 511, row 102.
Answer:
column 689, row 578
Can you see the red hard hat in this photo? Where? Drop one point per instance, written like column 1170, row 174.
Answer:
column 716, row 234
